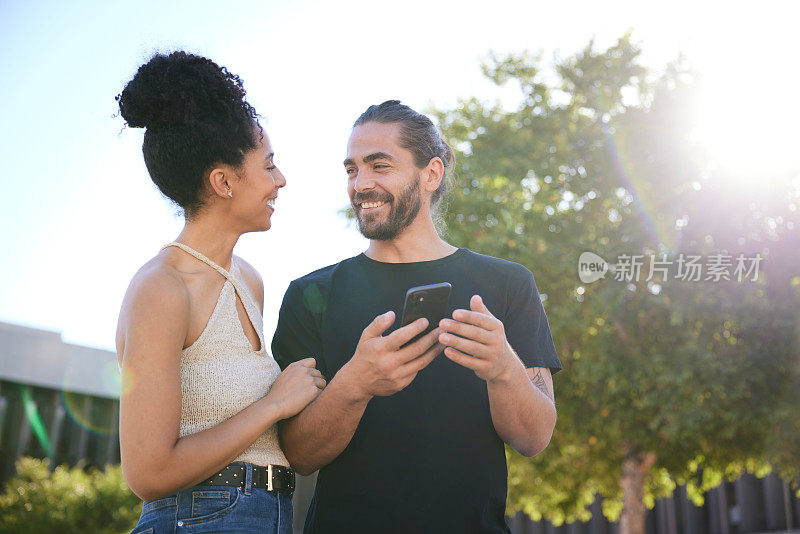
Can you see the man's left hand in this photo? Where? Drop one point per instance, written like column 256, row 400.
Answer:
column 476, row 339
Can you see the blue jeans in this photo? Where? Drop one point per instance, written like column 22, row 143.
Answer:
column 218, row 509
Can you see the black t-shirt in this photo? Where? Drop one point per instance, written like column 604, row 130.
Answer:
column 426, row 459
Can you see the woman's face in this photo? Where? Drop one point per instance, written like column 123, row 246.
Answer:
column 255, row 193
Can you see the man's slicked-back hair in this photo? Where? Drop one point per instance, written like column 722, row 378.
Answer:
column 417, row 134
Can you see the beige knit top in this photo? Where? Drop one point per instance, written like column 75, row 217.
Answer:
column 221, row 374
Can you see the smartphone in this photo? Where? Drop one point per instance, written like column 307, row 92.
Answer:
column 430, row 302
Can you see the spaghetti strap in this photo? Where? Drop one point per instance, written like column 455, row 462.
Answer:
column 249, row 304
column 204, row 259
column 228, row 276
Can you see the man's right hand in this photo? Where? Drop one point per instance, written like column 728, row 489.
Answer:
column 380, row 367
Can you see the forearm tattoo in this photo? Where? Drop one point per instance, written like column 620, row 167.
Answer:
column 538, row 381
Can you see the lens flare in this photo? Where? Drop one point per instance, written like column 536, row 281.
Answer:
column 79, row 408
column 111, row 378
column 82, row 408
column 126, row 380
column 35, row 420
column 629, row 181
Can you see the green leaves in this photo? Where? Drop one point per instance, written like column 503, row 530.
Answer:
column 67, row 500
column 602, row 158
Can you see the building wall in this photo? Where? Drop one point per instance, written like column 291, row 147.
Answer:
column 67, row 427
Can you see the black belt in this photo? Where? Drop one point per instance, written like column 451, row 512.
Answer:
column 270, row 477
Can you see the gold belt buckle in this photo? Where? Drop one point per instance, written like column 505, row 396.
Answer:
column 269, row 477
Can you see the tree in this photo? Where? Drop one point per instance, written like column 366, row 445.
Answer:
column 665, row 381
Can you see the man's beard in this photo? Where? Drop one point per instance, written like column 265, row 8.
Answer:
column 402, row 213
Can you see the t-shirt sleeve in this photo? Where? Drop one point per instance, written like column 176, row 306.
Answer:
column 297, row 335
column 526, row 326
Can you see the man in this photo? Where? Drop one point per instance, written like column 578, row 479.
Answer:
column 407, row 440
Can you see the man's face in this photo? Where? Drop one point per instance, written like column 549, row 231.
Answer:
column 383, row 181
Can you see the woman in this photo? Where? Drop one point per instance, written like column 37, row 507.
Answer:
column 201, row 394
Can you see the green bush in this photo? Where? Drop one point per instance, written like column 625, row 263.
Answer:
column 67, row 500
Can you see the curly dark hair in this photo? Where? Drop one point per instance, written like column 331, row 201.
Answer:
column 196, row 117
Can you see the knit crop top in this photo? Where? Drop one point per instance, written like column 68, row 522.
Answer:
column 221, row 374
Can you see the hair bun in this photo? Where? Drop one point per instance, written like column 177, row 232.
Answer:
column 174, row 90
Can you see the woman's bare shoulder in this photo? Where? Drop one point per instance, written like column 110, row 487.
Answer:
column 157, row 279
column 156, row 292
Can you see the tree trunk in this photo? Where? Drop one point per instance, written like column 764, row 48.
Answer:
column 634, row 471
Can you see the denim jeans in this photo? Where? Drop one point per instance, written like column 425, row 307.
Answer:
column 218, row 509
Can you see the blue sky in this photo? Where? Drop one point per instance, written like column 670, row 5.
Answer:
column 79, row 214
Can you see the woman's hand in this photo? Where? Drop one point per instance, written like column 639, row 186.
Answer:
column 296, row 387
